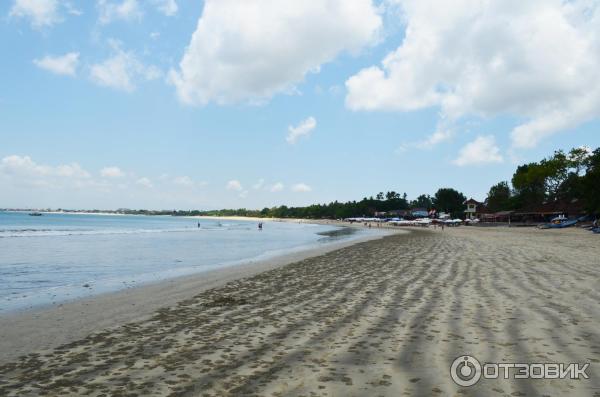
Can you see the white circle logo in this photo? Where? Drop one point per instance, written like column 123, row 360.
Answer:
column 465, row 371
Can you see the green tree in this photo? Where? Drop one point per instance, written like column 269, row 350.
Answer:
column 555, row 171
column 529, row 183
column 591, row 183
column 451, row 201
column 498, row 198
column 423, row 201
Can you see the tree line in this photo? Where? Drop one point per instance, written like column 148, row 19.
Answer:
column 445, row 199
column 562, row 177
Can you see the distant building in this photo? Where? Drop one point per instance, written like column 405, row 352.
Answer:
column 475, row 209
column 419, row 212
column 399, row 213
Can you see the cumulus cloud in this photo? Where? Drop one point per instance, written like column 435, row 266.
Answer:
column 183, row 181
column 65, row 64
column 41, row 13
column 482, row 150
column 439, row 136
column 24, row 171
column 259, row 184
column 302, row 129
column 167, row 7
column 126, row 10
column 234, row 185
column 277, row 187
column 301, row 187
column 535, row 60
column 26, row 182
column 144, row 182
column 122, row 70
column 111, row 172
column 250, row 50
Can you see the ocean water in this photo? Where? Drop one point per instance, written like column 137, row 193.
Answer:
column 49, row 259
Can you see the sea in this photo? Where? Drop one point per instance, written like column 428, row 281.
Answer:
column 50, row 259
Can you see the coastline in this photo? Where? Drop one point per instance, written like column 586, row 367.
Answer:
column 50, row 326
column 385, row 317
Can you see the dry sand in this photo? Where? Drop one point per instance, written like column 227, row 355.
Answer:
column 378, row 318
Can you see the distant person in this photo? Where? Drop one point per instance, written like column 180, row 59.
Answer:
column 259, row 225
column 198, row 225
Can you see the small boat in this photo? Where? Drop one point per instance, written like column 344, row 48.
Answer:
column 563, row 224
column 559, row 223
column 35, row 214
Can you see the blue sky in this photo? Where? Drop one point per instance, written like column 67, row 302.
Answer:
column 182, row 104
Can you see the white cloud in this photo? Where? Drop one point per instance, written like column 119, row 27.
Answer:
column 24, row 171
column 234, row 185
column 145, row 182
column 126, row 10
column 72, row 170
column 65, row 64
column 41, row 13
column 302, row 129
column 167, row 7
column 27, row 183
column 250, row 50
column 183, row 181
column 482, row 150
column 71, row 9
column 111, row 172
column 122, row 70
column 535, row 60
column 258, row 184
column 278, row 187
column 301, row 187
column 439, row 136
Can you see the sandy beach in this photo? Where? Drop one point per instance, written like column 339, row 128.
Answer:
column 384, row 317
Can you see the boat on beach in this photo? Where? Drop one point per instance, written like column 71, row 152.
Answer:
column 560, row 222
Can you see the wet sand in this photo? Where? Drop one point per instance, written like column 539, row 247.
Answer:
column 379, row 318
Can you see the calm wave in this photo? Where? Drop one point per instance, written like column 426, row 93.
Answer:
column 57, row 257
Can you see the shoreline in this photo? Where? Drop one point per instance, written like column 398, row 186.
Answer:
column 49, row 326
column 88, row 288
column 386, row 317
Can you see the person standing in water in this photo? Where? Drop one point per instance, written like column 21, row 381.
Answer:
column 259, row 225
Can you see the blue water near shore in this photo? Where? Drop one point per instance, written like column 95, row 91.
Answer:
column 53, row 258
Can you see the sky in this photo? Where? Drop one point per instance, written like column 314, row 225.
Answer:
column 181, row 104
